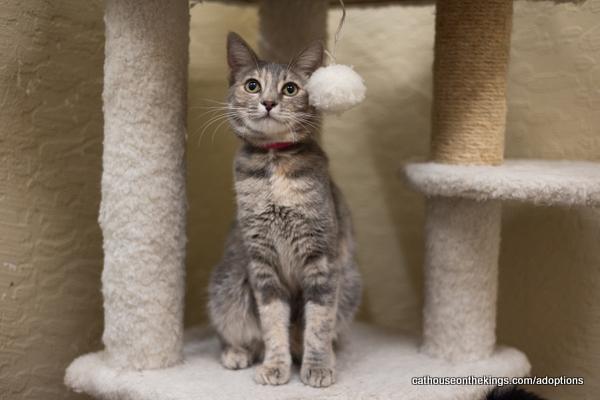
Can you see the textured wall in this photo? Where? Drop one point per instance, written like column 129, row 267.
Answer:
column 549, row 301
column 550, row 262
column 50, row 141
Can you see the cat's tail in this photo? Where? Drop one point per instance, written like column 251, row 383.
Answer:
column 511, row 393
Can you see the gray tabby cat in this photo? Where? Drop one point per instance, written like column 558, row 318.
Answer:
column 287, row 284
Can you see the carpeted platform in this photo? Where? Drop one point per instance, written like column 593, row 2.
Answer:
column 372, row 365
column 542, row 182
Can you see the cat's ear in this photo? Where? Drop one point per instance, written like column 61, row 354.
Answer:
column 239, row 53
column 310, row 59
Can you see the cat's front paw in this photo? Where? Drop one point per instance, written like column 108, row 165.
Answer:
column 236, row 358
column 317, row 376
column 272, row 374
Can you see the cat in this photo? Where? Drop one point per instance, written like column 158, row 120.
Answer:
column 287, row 285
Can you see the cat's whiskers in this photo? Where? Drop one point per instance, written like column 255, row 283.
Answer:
column 217, row 128
column 304, row 122
column 211, row 113
column 220, row 118
column 213, row 101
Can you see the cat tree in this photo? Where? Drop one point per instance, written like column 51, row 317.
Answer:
column 148, row 357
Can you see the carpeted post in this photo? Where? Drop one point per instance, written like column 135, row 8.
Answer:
column 461, row 268
column 286, row 27
column 142, row 212
column 463, row 236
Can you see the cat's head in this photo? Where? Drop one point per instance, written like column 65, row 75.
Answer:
column 267, row 102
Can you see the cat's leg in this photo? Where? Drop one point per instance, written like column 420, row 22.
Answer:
column 239, row 330
column 274, row 313
column 349, row 295
column 233, row 313
column 320, row 287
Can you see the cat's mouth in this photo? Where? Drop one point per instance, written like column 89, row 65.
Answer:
column 268, row 116
column 267, row 123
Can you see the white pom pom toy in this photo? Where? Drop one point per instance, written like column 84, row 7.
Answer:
column 335, row 88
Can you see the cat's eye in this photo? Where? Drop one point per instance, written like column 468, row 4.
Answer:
column 290, row 89
column 252, row 86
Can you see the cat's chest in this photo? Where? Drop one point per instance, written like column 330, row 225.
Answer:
column 288, row 190
column 276, row 186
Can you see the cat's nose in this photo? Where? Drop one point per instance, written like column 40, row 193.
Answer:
column 269, row 104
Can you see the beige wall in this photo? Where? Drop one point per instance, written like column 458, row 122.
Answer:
column 549, row 302
column 50, row 146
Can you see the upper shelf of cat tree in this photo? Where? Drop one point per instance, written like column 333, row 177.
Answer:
column 370, row 3
column 371, row 365
column 337, row 2
column 540, row 182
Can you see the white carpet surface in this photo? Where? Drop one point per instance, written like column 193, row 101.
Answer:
column 540, row 182
column 372, row 365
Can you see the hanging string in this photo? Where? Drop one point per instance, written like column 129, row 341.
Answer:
column 338, row 33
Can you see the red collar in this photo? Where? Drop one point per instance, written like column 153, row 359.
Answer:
column 278, row 145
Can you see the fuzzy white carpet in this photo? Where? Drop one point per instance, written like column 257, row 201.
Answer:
column 542, row 182
column 372, row 365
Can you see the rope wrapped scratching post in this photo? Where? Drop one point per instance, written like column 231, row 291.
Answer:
column 471, row 61
column 468, row 121
column 142, row 213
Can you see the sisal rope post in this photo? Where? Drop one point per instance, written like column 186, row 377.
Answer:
column 472, row 44
column 142, row 213
column 468, row 121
